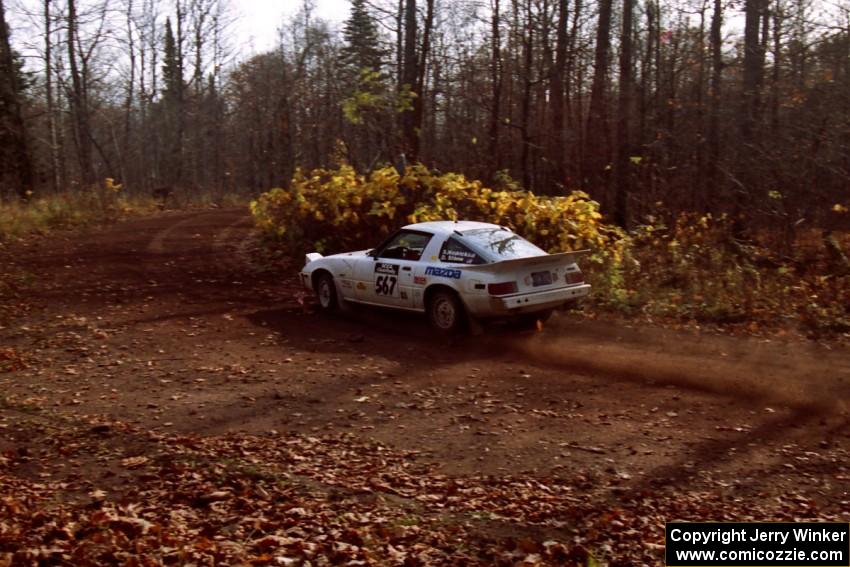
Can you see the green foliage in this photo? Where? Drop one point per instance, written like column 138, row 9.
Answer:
column 693, row 269
column 404, row 102
column 371, row 96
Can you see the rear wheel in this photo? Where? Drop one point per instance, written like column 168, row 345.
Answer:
column 445, row 311
column 326, row 291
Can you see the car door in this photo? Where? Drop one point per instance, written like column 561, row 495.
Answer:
column 388, row 278
column 445, row 261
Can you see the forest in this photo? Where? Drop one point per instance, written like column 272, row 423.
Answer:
column 707, row 106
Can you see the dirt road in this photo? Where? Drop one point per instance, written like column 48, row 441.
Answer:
column 166, row 324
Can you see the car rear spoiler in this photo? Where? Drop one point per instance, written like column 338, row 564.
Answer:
column 530, row 261
column 312, row 257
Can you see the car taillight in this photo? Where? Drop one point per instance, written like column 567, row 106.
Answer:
column 503, row 288
column 575, row 277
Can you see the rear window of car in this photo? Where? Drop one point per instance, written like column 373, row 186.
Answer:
column 456, row 253
column 501, row 243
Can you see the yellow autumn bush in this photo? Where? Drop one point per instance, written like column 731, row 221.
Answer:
column 337, row 210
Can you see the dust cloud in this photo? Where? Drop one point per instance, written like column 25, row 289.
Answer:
column 808, row 377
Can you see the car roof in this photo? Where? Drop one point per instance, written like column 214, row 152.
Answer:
column 448, row 227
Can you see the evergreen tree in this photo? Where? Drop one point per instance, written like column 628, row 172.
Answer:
column 369, row 106
column 362, row 50
column 16, row 174
column 172, row 66
column 172, row 109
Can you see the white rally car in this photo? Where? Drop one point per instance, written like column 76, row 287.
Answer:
column 450, row 270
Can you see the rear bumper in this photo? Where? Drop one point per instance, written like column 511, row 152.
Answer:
column 539, row 301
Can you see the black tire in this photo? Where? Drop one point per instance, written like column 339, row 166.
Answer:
column 445, row 311
column 326, row 292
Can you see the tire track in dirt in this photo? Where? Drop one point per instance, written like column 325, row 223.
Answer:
column 157, row 243
column 227, row 245
column 233, row 247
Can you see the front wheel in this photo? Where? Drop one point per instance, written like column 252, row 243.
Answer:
column 326, row 291
column 445, row 311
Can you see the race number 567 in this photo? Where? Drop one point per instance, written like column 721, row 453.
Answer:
column 385, row 285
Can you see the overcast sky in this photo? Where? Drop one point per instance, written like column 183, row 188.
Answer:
column 259, row 19
column 254, row 31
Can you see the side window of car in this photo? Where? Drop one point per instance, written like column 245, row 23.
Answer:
column 456, row 253
column 405, row 246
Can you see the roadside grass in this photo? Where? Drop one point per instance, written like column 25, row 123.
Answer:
column 103, row 204
column 66, row 210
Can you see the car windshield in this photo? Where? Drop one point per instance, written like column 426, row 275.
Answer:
column 501, row 244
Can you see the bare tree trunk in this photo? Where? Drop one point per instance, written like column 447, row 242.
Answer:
column 527, row 44
column 79, row 103
column 419, row 87
column 143, row 164
column 557, row 88
column 181, row 94
column 597, row 145
column 714, row 100
column 543, row 170
column 217, row 117
column 750, row 113
column 698, row 189
column 496, row 86
column 150, row 166
column 128, row 99
column 575, row 122
column 200, row 12
column 55, row 166
column 410, row 76
column 622, row 181
column 399, row 44
column 753, row 69
column 778, row 18
column 646, row 71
